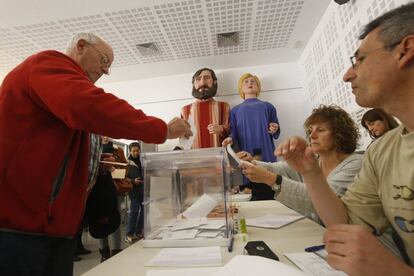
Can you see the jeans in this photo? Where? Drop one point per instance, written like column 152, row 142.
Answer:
column 25, row 254
column 136, row 216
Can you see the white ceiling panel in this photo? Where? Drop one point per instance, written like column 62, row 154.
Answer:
column 183, row 32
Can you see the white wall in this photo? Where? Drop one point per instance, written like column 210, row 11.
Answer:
column 326, row 56
column 282, row 85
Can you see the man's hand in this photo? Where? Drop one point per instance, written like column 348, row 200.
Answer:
column 215, row 129
column 356, row 251
column 298, row 155
column 177, row 128
column 257, row 174
column 273, row 128
column 245, row 156
column 227, row 141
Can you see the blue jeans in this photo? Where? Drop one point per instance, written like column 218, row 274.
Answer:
column 136, row 216
column 24, row 254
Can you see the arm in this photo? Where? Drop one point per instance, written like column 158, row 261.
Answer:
column 354, row 250
column 60, row 86
column 301, row 158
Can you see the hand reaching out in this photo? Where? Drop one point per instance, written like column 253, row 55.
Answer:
column 177, row 128
column 298, row 155
column 257, row 174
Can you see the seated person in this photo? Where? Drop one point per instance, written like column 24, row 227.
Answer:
column 333, row 136
column 378, row 122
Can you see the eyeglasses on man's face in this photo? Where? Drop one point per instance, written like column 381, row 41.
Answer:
column 105, row 60
column 359, row 57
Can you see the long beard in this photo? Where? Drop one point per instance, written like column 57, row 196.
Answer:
column 205, row 94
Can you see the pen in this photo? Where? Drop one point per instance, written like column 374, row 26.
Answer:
column 230, row 248
column 314, row 248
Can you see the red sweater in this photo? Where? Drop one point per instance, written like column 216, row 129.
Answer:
column 48, row 106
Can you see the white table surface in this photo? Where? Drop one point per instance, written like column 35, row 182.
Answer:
column 288, row 239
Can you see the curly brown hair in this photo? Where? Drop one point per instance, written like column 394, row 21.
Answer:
column 344, row 129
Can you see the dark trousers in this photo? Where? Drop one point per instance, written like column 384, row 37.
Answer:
column 23, row 254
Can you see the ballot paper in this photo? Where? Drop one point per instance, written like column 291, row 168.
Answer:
column 245, row 265
column 118, row 173
column 185, row 224
column 213, row 224
column 313, row 265
column 201, row 207
column 192, row 256
column 233, row 154
column 186, row 234
column 273, row 220
column 199, row 271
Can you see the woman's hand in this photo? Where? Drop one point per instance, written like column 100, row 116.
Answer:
column 299, row 155
column 245, row 156
column 258, row 174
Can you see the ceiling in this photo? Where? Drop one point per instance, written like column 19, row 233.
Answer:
column 184, row 31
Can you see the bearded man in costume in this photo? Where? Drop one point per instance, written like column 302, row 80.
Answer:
column 209, row 118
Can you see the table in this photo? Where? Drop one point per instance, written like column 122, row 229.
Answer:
column 288, row 239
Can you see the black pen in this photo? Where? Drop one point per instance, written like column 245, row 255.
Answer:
column 230, row 248
column 314, row 248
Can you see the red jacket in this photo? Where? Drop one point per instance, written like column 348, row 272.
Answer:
column 48, row 106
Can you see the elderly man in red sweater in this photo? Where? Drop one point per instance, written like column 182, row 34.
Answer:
column 49, row 105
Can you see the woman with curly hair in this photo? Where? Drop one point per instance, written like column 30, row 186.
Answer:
column 334, row 137
column 378, row 122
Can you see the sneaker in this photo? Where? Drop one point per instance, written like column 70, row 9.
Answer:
column 130, row 239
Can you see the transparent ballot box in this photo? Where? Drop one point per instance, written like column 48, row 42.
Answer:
column 187, row 198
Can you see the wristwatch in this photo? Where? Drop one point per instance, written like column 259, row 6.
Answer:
column 277, row 186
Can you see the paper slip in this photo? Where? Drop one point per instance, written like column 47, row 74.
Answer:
column 312, row 264
column 233, row 154
column 118, row 173
column 241, row 197
column 272, row 220
column 113, row 163
column 199, row 271
column 181, row 235
column 245, row 265
column 213, row 225
column 192, row 256
column 209, row 233
column 185, row 224
column 201, row 207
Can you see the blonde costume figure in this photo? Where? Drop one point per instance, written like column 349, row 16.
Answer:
column 254, row 123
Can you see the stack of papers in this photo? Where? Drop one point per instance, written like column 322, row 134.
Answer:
column 193, row 256
column 273, row 220
column 241, row 265
column 312, row 264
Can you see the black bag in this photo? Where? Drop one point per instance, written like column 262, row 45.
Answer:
column 102, row 208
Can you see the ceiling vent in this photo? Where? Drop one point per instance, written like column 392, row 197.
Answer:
column 228, row 39
column 148, row 49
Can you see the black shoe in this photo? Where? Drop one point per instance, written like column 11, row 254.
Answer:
column 115, row 251
column 83, row 251
column 105, row 254
column 76, row 258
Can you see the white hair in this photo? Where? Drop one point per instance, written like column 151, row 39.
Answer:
column 88, row 37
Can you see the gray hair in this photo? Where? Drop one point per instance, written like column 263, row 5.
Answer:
column 88, row 37
column 394, row 25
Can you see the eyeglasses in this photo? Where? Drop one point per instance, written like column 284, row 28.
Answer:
column 105, row 60
column 357, row 59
